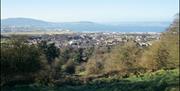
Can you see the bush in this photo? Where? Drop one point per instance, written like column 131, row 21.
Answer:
column 95, row 65
column 69, row 67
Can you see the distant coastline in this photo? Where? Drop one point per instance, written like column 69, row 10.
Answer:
column 27, row 24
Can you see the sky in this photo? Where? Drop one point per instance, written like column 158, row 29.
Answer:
column 91, row 10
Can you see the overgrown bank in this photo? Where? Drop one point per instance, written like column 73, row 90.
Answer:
column 156, row 81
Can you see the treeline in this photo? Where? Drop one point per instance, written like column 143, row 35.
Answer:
column 46, row 64
column 42, row 63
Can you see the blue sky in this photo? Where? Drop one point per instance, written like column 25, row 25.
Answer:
column 91, row 10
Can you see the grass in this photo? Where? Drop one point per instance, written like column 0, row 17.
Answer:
column 157, row 81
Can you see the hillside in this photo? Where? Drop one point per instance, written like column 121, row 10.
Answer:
column 157, row 81
column 124, row 67
column 24, row 22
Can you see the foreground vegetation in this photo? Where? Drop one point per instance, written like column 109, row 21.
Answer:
column 121, row 68
column 157, row 81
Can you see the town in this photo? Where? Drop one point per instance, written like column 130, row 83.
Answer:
column 96, row 39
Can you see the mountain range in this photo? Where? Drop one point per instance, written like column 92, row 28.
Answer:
column 82, row 26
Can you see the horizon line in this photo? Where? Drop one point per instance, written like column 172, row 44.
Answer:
column 45, row 20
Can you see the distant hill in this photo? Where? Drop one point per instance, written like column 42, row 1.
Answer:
column 25, row 24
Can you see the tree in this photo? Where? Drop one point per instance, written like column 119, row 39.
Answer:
column 95, row 65
column 78, row 56
column 50, row 51
column 126, row 56
column 19, row 59
column 164, row 53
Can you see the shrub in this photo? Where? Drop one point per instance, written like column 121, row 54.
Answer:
column 95, row 65
column 69, row 67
